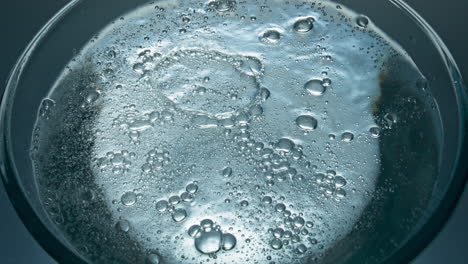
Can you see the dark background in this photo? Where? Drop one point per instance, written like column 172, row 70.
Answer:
column 21, row 19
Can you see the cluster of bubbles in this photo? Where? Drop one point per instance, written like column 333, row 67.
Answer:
column 156, row 159
column 209, row 239
column 207, row 83
column 331, row 184
column 119, row 161
column 294, row 229
column 173, row 203
column 133, row 122
column 222, row 6
column 273, row 160
column 145, row 61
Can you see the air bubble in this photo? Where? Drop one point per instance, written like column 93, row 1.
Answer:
column 271, row 36
column 303, row 25
column 264, row 94
column 301, row 249
column 339, row 181
column 227, row 172
column 123, row 225
column 192, row 188
column 179, row 215
column 186, row 197
column 362, row 21
column 128, row 198
column 340, row 193
column 280, row 207
column 267, row 200
column 306, row 122
column 194, row 230
column 153, row 259
column 315, row 87
column 174, row 200
column 207, row 224
column 374, row 132
column 229, row 241
column 347, row 137
column 278, row 232
column 285, row 145
column 92, row 97
column 298, row 222
column 209, row 242
column 276, row 244
column 162, row 205
column 256, row 110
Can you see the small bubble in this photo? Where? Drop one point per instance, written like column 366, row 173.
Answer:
column 200, row 90
column 271, row 36
column 162, row 205
column 280, row 207
column 227, row 172
column 128, row 198
column 186, row 197
column 362, row 21
column 278, row 232
column 194, row 230
column 303, row 25
column 192, row 188
column 301, row 248
column 179, row 215
column 374, row 132
column 244, row 203
column 276, row 244
column 209, row 242
column 326, row 82
column 340, row 193
column 306, row 122
column 207, row 224
column 139, row 68
column 123, row 225
column 285, row 145
column 256, row 110
column 339, row 181
column 298, row 222
column 153, row 259
column 264, row 94
column 390, row 119
column 174, row 200
column 347, row 136
column 229, row 241
column 267, row 200
column 315, row 87
column 295, row 238
column 92, row 97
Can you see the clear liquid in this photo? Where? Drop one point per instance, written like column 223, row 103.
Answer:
column 220, row 132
